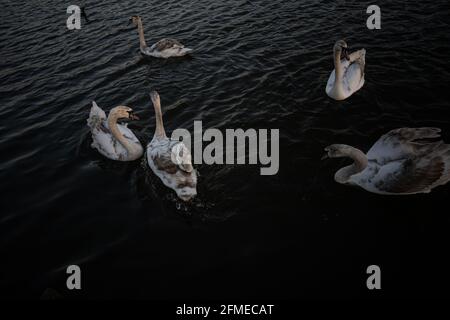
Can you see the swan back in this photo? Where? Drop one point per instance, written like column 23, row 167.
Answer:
column 404, row 161
column 166, row 48
column 170, row 160
column 96, row 116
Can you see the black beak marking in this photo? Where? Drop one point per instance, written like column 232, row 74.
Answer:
column 344, row 54
column 132, row 116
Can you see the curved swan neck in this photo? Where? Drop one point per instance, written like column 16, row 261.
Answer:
column 337, row 67
column 159, row 131
column 141, row 34
column 112, row 124
column 360, row 163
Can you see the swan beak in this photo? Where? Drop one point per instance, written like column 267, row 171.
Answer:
column 132, row 115
column 345, row 54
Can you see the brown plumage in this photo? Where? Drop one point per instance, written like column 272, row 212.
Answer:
column 403, row 161
column 164, row 44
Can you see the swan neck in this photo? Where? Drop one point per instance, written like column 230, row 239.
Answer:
column 360, row 163
column 337, row 67
column 112, row 124
column 141, row 34
column 160, row 132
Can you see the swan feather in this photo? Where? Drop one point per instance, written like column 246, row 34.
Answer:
column 177, row 175
column 402, row 162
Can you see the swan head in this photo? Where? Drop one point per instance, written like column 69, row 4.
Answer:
column 123, row 112
column 343, row 175
column 154, row 95
column 134, row 20
column 341, row 50
column 360, row 162
column 337, row 151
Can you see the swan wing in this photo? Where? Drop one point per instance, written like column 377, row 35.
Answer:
column 102, row 139
column 353, row 77
column 410, row 163
column 330, row 83
column 108, row 146
column 162, row 159
column 410, row 176
column 182, row 157
column 165, row 163
column 165, row 44
column 172, row 157
column 161, row 156
column 96, row 116
column 404, row 143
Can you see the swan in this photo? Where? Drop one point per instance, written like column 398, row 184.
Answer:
column 112, row 140
column 169, row 159
column 348, row 74
column 164, row 48
column 403, row 161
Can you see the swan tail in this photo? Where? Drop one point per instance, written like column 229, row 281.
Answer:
column 185, row 51
column 444, row 151
column 427, row 143
column 96, row 116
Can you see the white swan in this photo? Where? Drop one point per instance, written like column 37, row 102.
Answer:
column 169, row 159
column 164, row 48
column 114, row 141
column 348, row 74
column 403, row 161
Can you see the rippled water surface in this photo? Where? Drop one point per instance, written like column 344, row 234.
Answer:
column 257, row 64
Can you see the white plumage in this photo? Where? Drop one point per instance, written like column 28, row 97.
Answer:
column 114, row 141
column 348, row 74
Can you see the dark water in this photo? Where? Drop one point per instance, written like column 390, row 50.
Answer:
column 258, row 64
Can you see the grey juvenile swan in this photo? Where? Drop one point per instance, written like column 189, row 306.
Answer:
column 403, row 161
column 169, row 159
column 164, row 48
